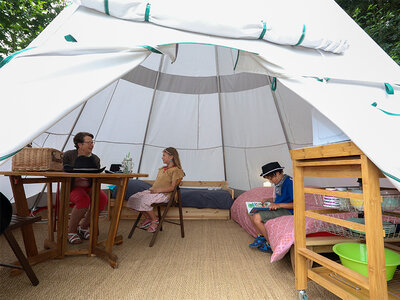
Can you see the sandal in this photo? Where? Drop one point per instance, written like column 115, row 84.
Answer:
column 146, row 223
column 258, row 242
column 84, row 233
column 73, row 238
column 265, row 248
column 153, row 226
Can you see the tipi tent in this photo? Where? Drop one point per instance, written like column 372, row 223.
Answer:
column 230, row 86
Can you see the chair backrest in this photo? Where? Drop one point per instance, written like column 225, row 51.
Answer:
column 174, row 193
column 5, row 212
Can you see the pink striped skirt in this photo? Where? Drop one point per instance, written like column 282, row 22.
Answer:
column 142, row 201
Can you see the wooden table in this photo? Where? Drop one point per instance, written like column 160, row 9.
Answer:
column 58, row 248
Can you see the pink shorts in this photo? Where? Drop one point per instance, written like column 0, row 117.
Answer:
column 81, row 198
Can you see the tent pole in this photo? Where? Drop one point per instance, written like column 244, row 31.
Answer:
column 105, row 112
column 279, row 115
column 220, row 112
column 36, row 202
column 73, row 126
column 150, row 111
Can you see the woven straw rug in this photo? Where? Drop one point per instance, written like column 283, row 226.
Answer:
column 213, row 261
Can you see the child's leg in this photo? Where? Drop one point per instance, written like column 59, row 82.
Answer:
column 259, row 225
column 150, row 214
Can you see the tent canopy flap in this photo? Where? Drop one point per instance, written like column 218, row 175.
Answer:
column 197, row 79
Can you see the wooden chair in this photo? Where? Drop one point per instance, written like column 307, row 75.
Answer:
column 17, row 222
column 174, row 200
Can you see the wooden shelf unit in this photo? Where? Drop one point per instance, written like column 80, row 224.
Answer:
column 342, row 160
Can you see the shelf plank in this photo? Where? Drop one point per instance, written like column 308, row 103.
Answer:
column 349, row 171
column 333, row 150
column 351, row 275
column 336, row 221
column 336, row 287
column 329, row 162
column 339, row 194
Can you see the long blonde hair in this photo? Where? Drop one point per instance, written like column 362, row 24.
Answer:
column 172, row 151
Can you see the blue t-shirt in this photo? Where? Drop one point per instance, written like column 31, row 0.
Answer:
column 286, row 195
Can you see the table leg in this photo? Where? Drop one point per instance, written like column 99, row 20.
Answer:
column 50, row 214
column 94, row 216
column 23, row 211
column 116, row 213
column 62, row 222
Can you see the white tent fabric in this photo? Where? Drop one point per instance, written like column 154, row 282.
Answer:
column 140, row 87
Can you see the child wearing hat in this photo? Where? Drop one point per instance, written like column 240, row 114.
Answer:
column 283, row 204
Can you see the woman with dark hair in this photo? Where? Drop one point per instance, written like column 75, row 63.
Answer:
column 78, row 226
column 166, row 181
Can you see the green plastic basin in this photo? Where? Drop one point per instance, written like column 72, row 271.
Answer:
column 354, row 256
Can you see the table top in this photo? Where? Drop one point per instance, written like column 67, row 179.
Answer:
column 66, row 174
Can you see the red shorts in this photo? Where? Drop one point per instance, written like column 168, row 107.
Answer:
column 81, row 198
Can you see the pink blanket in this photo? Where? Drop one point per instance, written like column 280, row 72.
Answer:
column 280, row 230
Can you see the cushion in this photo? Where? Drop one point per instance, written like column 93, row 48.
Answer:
column 134, row 186
column 204, row 198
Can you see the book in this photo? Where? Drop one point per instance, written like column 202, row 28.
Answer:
column 254, row 207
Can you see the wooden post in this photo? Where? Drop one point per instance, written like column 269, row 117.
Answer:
column 374, row 230
column 299, row 225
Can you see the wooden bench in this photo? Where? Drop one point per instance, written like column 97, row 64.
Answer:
column 189, row 213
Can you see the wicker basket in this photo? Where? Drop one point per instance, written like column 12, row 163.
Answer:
column 38, row 159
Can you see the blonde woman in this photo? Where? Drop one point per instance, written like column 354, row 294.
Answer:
column 166, row 181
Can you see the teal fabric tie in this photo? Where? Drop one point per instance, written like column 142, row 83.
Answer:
column 106, row 9
column 326, row 79
column 273, row 84
column 263, row 31
column 391, row 176
column 384, row 111
column 147, row 14
column 154, row 50
column 9, row 155
column 389, row 89
column 8, row 58
column 302, row 35
column 70, row 38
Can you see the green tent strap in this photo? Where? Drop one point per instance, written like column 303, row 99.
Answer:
column 389, row 89
column 106, row 10
column 326, row 79
column 70, row 38
column 237, row 59
column 391, row 176
column 302, row 35
column 9, row 155
column 154, row 50
column 263, row 31
column 384, row 111
column 273, row 85
column 8, row 58
column 147, row 14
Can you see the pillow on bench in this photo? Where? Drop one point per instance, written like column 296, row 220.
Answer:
column 198, row 198
column 134, row 186
column 204, row 198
